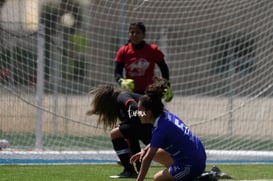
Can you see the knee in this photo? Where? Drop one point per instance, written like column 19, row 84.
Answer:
column 115, row 133
column 163, row 175
column 158, row 177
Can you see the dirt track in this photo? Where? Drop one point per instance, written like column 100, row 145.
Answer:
column 204, row 115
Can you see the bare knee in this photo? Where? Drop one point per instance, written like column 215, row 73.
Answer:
column 163, row 175
column 115, row 133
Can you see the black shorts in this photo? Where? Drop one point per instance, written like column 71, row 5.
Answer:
column 136, row 130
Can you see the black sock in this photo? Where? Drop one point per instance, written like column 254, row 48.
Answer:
column 135, row 148
column 122, row 150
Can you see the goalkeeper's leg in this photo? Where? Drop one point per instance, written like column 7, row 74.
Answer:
column 134, row 148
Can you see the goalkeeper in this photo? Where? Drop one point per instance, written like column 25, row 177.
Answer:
column 138, row 58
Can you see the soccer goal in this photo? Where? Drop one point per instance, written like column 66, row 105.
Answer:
column 53, row 52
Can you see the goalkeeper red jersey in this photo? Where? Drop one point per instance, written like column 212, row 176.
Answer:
column 140, row 63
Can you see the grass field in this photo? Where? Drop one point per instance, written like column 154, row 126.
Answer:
column 101, row 172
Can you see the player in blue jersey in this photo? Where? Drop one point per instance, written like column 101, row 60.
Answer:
column 173, row 136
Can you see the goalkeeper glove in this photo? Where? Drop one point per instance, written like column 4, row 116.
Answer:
column 168, row 96
column 127, row 84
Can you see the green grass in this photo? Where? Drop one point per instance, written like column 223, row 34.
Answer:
column 72, row 142
column 101, row 172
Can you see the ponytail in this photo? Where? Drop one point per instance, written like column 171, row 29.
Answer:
column 152, row 100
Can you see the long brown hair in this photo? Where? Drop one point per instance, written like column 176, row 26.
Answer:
column 104, row 104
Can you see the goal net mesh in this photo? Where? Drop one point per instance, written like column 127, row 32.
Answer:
column 53, row 53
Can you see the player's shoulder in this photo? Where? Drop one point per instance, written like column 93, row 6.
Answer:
column 169, row 116
column 125, row 96
column 125, row 47
column 152, row 45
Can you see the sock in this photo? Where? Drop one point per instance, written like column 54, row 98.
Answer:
column 134, row 148
column 122, row 150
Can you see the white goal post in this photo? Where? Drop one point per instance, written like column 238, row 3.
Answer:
column 53, row 52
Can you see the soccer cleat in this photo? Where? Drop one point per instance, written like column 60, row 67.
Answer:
column 207, row 176
column 213, row 175
column 125, row 174
column 219, row 174
column 119, row 162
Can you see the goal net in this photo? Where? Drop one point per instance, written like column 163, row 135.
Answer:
column 53, row 53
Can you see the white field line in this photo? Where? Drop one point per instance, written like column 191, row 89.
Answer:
column 110, row 155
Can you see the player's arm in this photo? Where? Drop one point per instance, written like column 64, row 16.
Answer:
column 146, row 162
column 126, row 84
column 164, row 69
column 161, row 156
column 165, row 74
column 132, row 109
column 139, row 156
column 118, row 72
column 130, row 105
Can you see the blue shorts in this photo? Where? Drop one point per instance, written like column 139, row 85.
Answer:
column 187, row 170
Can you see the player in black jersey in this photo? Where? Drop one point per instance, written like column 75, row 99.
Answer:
column 113, row 105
